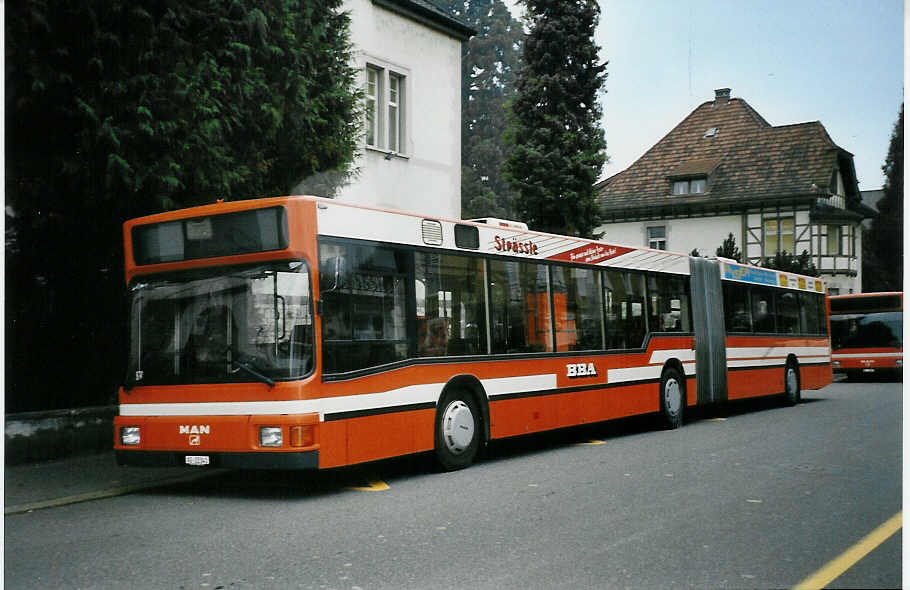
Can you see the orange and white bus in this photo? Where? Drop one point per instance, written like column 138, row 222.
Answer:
column 867, row 334
column 300, row 332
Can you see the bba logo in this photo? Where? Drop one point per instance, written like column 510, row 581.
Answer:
column 574, row 370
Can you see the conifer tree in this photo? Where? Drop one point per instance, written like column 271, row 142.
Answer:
column 490, row 62
column 729, row 249
column 883, row 243
column 787, row 262
column 118, row 109
column 557, row 145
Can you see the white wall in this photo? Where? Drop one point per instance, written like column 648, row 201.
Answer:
column 427, row 177
column 706, row 234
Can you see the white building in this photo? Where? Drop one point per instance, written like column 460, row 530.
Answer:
column 409, row 56
column 725, row 170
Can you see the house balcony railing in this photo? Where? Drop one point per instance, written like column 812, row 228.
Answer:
column 838, row 263
column 833, row 201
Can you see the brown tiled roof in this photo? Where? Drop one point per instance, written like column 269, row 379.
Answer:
column 745, row 157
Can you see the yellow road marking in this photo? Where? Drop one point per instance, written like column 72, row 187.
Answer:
column 717, row 419
column 590, row 442
column 373, row 486
column 851, row 556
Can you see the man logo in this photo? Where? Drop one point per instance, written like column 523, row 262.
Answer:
column 574, row 370
column 195, row 429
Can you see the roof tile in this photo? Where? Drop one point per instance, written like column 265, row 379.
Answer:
column 745, row 156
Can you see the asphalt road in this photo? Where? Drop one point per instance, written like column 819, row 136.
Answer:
column 761, row 496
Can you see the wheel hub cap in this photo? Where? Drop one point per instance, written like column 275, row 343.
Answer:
column 791, row 381
column 672, row 396
column 457, row 426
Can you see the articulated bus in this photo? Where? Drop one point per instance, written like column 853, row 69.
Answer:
column 867, row 334
column 301, row 332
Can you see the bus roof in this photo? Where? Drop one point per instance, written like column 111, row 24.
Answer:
column 347, row 220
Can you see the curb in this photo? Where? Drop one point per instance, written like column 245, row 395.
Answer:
column 41, row 436
column 101, row 494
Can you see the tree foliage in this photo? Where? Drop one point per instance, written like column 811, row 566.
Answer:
column 883, row 243
column 558, row 147
column 729, row 249
column 117, row 109
column 490, row 62
column 787, row 262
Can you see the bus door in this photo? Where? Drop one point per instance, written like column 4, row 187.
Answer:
column 710, row 335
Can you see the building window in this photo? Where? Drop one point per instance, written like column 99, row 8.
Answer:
column 371, row 97
column 834, row 239
column 693, row 186
column 657, row 237
column 779, row 236
column 396, row 88
column 385, row 92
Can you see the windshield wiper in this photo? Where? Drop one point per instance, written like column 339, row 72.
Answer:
column 240, row 365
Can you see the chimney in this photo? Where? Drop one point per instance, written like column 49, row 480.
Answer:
column 721, row 96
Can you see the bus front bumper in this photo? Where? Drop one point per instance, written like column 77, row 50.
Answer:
column 279, row 461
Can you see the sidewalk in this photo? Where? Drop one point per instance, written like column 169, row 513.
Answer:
column 81, row 478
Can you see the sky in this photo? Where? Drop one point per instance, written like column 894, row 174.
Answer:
column 840, row 62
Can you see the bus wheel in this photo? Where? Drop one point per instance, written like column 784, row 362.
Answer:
column 791, row 384
column 672, row 398
column 458, row 430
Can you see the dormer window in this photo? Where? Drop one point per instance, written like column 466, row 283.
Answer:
column 836, row 184
column 691, row 177
column 694, row 186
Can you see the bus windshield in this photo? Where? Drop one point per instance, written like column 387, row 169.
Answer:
column 869, row 330
column 242, row 324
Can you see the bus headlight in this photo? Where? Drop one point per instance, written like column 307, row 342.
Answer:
column 899, row 362
column 835, row 364
column 270, row 436
column 129, row 436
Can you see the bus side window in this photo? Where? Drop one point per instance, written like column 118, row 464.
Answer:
column 808, row 312
column 763, row 316
column 787, row 306
column 450, row 305
column 624, row 300
column 577, row 313
column 736, row 308
column 363, row 309
column 519, row 307
column 737, row 315
column 822, row 314
column 669, row 304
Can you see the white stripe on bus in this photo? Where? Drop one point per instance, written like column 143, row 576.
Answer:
column 403, row 396
column 776, row 352
column 430, row 392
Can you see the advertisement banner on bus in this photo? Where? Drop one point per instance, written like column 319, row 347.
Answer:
column 750, row 274
column 762, row 276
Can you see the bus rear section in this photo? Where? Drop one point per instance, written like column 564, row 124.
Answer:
column 867, row 335
column 758, row 332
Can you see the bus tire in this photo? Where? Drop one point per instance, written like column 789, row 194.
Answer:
column 792, row 392
column 672, row 398
column 457, row 430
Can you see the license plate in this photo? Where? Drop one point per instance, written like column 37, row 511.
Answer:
column 197, row 460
